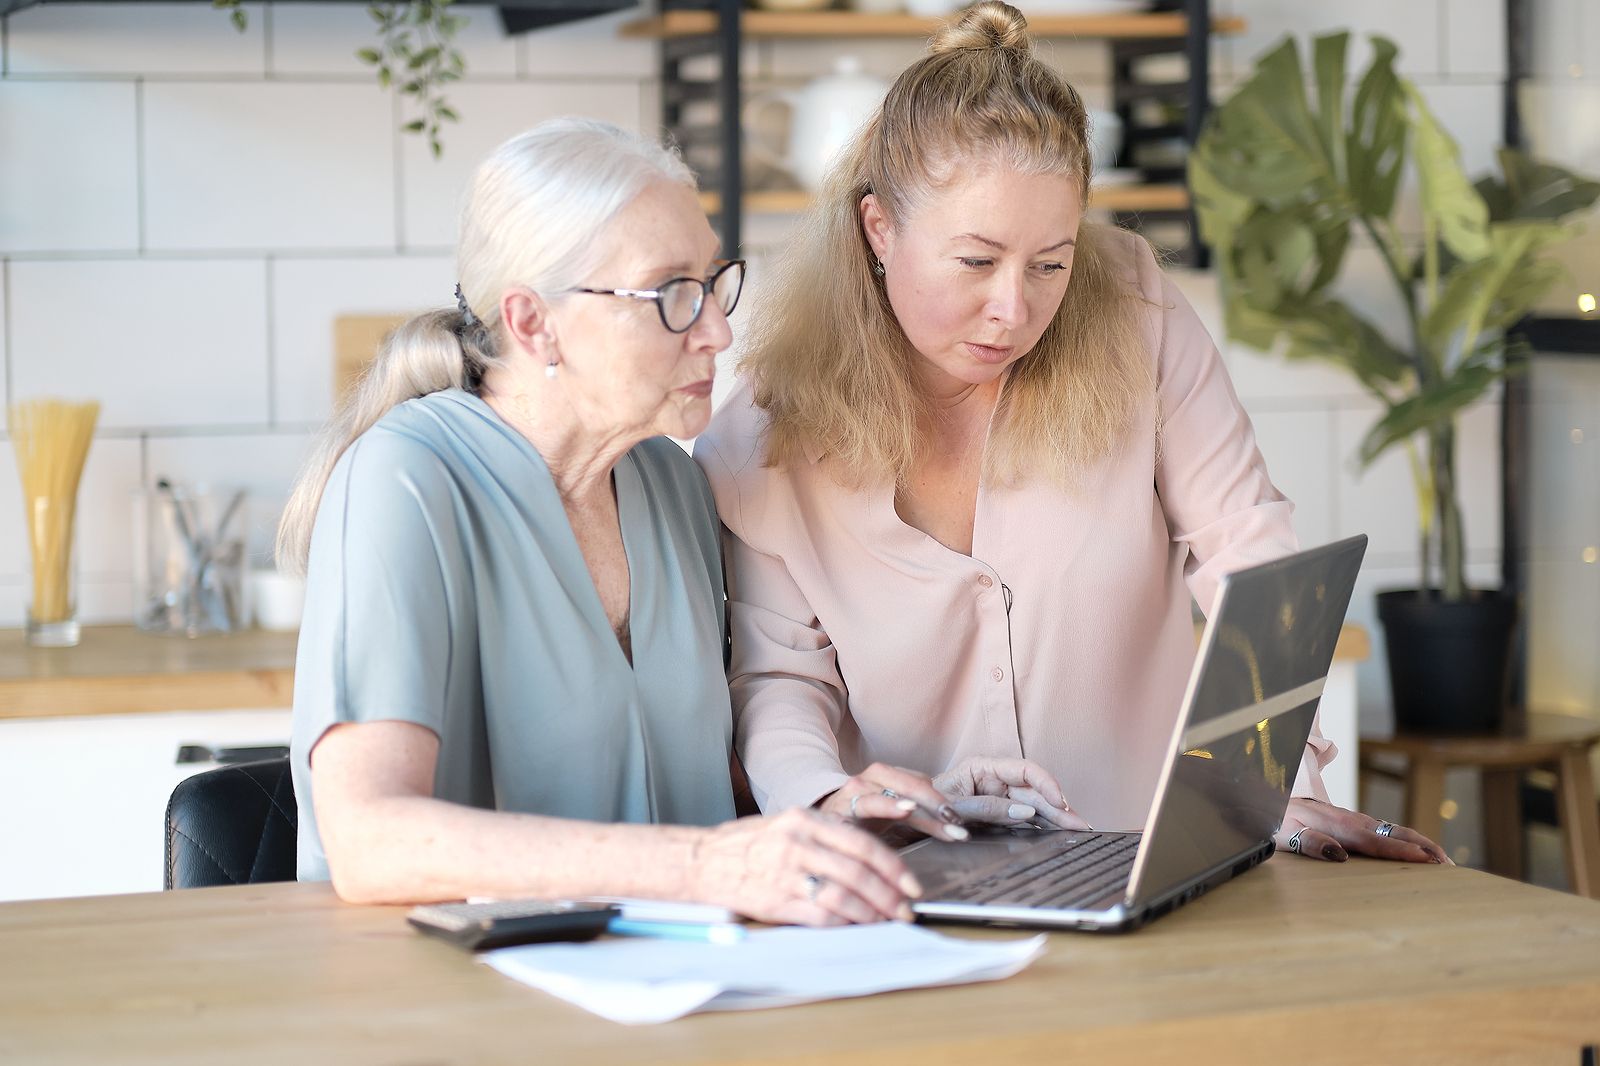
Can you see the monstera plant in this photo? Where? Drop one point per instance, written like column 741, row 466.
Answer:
column 1289, row 174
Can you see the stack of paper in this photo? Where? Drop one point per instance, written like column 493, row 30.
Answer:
column 642, row 981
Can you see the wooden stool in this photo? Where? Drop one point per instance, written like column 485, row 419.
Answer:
column 1560, row 743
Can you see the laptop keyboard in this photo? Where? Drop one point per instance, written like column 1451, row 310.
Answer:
column 1076, row 874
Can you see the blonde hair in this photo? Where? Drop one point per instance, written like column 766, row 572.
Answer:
column 829, row 362
column 531, row 215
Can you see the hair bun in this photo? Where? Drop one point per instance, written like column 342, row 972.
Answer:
column 989, row 24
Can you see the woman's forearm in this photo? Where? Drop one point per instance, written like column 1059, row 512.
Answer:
column 412, row 849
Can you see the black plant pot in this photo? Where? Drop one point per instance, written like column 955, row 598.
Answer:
column 1448, row 662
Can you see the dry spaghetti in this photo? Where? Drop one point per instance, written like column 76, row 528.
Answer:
column 51, row 438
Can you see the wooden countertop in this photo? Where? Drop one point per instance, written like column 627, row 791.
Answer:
column 123, row 670
column 1299, row 960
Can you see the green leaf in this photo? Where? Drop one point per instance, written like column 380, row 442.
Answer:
column 1433, row 406
column 446, row 113
column 370, row 55
column 1329, row 63
column 384, row 77
column 415, row 126
column 1495, row 290
column 1535, row 189
column 1461, row 214
column 240, row 19
column 1375, row 146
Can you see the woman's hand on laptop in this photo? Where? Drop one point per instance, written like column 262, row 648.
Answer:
column 1322, row 831
column 1002, row 791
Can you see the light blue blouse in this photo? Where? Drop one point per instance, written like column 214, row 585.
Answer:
column 445, row 587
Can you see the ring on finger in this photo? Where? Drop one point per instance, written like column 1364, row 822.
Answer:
column 891, row 793
column 1384, row 829
column 813, row 885
column 853, row 801
column 1294, row 841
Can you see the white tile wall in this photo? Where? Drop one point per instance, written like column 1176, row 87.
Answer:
column 589, row 50
column 68, row 166
column 159, row 343
column 321, row 40
column 1411, row 24
column 1474, row 38
column 489, row 115
column 268, row 165
column 308, row 294
column 134, row 39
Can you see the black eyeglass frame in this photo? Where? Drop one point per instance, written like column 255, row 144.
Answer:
column 707, row 289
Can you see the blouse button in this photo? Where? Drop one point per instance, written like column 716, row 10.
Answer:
column 998, row 674
column 985, row 580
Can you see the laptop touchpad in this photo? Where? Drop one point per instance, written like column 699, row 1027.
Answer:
column 939, row 864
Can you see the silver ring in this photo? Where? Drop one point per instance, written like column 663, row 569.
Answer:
column 853, row 801
column 1385, row 829
column 1294, row 841
column 813, row 886
column 891, row 793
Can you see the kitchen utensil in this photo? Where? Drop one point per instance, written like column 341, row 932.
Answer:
column 823, row 116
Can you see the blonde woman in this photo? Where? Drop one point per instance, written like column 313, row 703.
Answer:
column 982, row 454
column 510, row 672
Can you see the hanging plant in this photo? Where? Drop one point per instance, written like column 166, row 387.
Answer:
column 414, row 57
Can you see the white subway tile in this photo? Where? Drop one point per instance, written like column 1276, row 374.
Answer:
column 144, row 39
column 1475, row 38
column 1381, row 501
column 68, row 167
column 322, row 40
column 159, row 343
column 1563, row 461
column 308, row 294
column 264, row 465
column 589, row 48
column 1413, row 25
column 433, row 188
column 272, row 165
column 1298, row 448
column 1563, row 617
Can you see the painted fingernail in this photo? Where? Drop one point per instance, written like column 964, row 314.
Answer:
column 910, row 886
column 1019, row 812
column 1333, row 853
column 948, row 813
column 956, row 832
column 906, row 805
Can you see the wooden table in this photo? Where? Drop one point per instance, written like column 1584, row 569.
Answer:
column 1299, row 961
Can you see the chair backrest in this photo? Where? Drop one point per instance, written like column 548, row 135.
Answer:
column 235, row 825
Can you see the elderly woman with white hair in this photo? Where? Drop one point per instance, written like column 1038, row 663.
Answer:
column 510, row 679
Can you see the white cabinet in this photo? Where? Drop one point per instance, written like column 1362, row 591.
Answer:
column 83, row 798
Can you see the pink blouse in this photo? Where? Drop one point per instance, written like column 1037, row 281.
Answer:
column 1066, row 637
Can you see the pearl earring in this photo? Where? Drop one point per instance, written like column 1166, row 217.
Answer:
column 550, row 370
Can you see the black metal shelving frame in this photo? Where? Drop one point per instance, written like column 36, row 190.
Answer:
column 720, row 169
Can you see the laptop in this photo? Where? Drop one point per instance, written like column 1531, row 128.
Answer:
column 1233, row 757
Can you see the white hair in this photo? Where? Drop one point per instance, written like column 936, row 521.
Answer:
column 530, row 218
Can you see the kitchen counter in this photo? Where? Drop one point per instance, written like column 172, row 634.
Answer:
column 123, row 670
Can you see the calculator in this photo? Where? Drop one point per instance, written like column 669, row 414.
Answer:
column 502, row 923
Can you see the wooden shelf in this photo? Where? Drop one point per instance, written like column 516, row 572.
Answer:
column 1104, row 198
column 123, row 670
column 766, row 24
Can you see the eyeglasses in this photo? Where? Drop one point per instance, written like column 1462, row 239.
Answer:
column 681, row 300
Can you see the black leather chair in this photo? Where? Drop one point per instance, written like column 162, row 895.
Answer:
column 234, row 825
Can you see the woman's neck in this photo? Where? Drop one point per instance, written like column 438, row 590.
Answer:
column 580, row 457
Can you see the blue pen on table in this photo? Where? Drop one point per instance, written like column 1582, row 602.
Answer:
column 710, row 933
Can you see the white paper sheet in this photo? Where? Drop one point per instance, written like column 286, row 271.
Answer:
column 644, row 981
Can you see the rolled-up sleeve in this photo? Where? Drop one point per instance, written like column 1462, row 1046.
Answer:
column 1211, row 478
column 788, row 696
